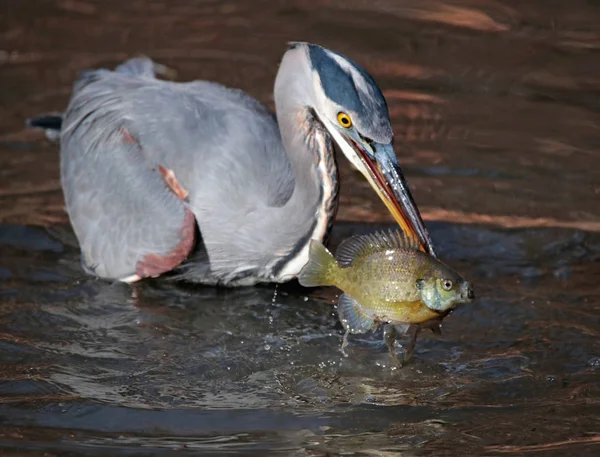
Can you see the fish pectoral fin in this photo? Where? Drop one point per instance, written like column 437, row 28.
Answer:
column 352, row 316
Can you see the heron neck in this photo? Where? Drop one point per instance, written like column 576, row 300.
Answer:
column 309, row 212
column 307, row 148
column 293, row 93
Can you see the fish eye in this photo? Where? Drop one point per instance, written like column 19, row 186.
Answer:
column 344, row 120
column 447, row 284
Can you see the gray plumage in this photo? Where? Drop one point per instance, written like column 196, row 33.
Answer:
column 257, row 187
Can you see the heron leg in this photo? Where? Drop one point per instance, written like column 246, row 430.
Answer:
column 413, row 332
column 389, row 336
column 345, row 342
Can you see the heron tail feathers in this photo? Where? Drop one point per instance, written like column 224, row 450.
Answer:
column 146, row 67
column 321, row 267
column 50, row 123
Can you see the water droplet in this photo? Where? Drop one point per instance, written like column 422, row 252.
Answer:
column 594, row 363
column 562, row 273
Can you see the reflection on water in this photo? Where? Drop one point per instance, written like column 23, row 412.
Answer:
column 496, row 112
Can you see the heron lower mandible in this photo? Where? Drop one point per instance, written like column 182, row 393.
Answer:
column 202, row 181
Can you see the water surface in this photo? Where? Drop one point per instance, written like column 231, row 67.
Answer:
column 495, row 107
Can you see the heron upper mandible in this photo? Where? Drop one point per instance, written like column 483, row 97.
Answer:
column 203, row 181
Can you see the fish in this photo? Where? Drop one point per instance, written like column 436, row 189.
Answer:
column 386, row 280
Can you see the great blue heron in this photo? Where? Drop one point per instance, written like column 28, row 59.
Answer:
column 202, row 180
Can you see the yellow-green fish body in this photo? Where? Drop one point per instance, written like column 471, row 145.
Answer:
column 384, row 285
column 385, row 279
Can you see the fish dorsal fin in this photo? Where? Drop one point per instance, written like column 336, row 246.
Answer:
column 362, row 245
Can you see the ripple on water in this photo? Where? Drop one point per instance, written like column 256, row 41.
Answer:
column 88, row 348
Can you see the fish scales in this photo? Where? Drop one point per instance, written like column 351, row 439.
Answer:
column 381, row 283
column 387, row 280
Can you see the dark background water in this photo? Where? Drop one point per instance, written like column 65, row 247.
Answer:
column 496, row 109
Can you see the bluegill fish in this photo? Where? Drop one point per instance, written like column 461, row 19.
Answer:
column 386, row 280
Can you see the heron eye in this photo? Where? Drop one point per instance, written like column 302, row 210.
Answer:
column 447, row 284
column 344, row 120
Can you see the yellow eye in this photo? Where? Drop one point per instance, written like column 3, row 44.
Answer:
column 447, row 284
column 344, row 120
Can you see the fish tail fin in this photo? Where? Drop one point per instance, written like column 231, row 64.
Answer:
column 319, row 268
column 352, row 316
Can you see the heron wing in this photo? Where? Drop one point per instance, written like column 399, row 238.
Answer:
column 136, row 150
column 129, row 221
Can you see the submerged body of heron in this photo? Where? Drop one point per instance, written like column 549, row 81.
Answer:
column 386, row 280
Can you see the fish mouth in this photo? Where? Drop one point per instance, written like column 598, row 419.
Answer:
column 382, row 170
column 467, row 292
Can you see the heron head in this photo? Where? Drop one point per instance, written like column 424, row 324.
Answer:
column 350, row 105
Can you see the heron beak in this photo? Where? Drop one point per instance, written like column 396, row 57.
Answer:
column 381, row 168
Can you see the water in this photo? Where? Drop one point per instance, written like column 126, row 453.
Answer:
column 496, row 112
